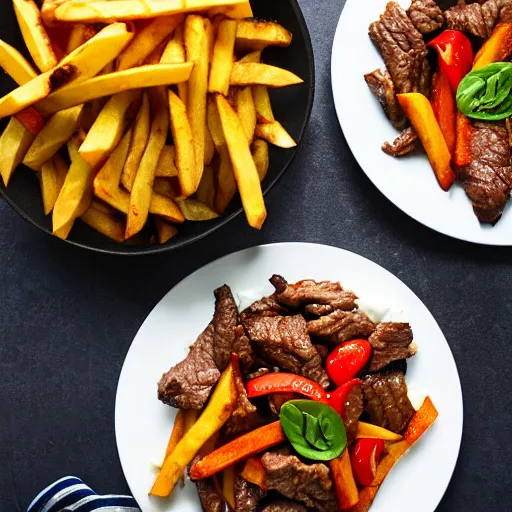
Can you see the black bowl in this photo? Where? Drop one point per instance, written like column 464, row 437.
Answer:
column 292, row 107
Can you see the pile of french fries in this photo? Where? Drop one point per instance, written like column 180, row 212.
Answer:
column 143, row 114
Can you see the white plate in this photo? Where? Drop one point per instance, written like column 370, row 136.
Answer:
column 143, row 424
column 408, row 182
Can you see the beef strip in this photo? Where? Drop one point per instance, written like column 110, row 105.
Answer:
column 386, row 401
column 258, row 373
column 382, row 87
column 403, row 49
column 211, row 500
column 426, row 15
column 285, row 506
column 188, row 384
column 318, row 309
column 277, row 400
column 341, row 326
column 310, row 484
column 247, row 495
column 390, row 341
column 354, row 407
column 310, row 292
column 267, row 306
column 242, row 347
column 404, row 144
column 477, row 19
column 488, row 178
column 284, row 341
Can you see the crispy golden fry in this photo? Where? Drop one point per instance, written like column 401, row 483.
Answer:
column 106, row 224
column 77, row 186
column 253, row 73
column 103, row 207
column 184, row 142
column 194, row 210
column 140, row 198
column 197, row 51
column 262, row 103
column 220, row 406
column 222, row 60
column 166, row 167
column 251, row 57
column 261, row 157
column 107, row 85
column 109, row 175
column 56, row 132
column 79, row 35
column 174, row 53
column 226, row 183
column 14, row 143
column 83, row 206
column 107, row 130
column 15, row 65
column 148, row 38
column 165, row 231
column 206, row 192
column 80, row 65
column 246, row 112
column 34, row 34
column 52, row 177
column 256, row 35
column 228, row 486
column 236, row 11
column 246, row 174
column 166, row 187
column 214, row 124
column 275, row 134
column 209, row 146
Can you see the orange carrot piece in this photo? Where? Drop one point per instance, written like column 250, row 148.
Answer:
column 366, row 497
column 420, row 422
column 178, row 430
column 498, row 47
column 445, row 109
column 31, row 119
column 254, row 472
column 464, row 131
column 344, row 483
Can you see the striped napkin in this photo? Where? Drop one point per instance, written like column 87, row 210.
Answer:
column 70, row 494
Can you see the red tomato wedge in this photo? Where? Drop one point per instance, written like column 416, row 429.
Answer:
column 364, row 456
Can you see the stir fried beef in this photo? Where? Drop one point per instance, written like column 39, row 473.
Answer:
column 211, row 500
column 426, row 15
column 188, row 384
column 341, row 326
column 318, row 309
column 267, row 306
column 477, row 19
column 383, row 89
column 310, row 292
column 487, row 179
column 354, row 407
column 386, row 401
column 285, row 506
column 308, row 483
column 242, row 347
column 403, row 49
column 390, row 341
column 284, row 341
column 404, row 144
column 247, row 495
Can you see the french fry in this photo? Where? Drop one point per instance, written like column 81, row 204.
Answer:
column 184, row 143
column 83, row 206
column 222, row 60
column 34, row 34
column 228, row 486
column 253, row 73
column 164, row 230
column 206, row 192
column 239, row 449
column 214, row 124
column 148, row 38
column 194, row 210
column 226, row 183
column 77, row 37
column 15, row 65
column 367, row 430
column 52, row 177
column 261, row 157
column 31, row 119
column 196, row 45
column 235, row 11
column 106, row 224
column 174, row 53
column 80, row 65
column 56, row 132
column 103, row 207
column 262, row 104
column 166, row 187
column 14, row 143
column 77, row 187
column 256, row 35
column 251, row 57
column 244, row 168
column 140, row 198
column 275, row 134
column 344, row 483
column 246, row 112
column 254, row 472
column 166, row 167
column 113, row 83
column 220, row 406
column 209, row 147
column 107, row 130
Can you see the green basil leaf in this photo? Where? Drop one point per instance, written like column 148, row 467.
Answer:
column 314, row 429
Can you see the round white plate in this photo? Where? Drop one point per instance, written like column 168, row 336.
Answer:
column 408, row 182
column 143, row 424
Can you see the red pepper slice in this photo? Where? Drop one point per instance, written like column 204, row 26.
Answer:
column 347, row 360
column 339, row 396
column 286, row 383
column 455, row 55
column 364, row 457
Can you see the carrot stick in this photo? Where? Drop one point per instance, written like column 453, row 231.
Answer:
column 464, row 132
column 344, row 483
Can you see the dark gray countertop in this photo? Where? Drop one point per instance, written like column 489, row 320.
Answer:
column 67, row 317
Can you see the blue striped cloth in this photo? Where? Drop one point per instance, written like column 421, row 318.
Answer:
column 70, row 494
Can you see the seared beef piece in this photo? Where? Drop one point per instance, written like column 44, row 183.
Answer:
column 403, row 49
column 242, row 347
column 474, row 18
column 284, row 341
column 323, row 351
column 382, row 87
column 188, row 384
column 318, row 309
column 267, row 306
column 277, row 400
column 488, row 177
column 390, row 341
column 404, row 144
column 354, row 407
column 258, row 373
column 341, row 326
column 247, row 495
column 425, row 15
column 211, row 500
column 285, row 506
column 386, row 401
column 310, row 484
column 310, row 292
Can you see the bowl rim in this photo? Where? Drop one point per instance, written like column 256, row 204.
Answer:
column 222, row 221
